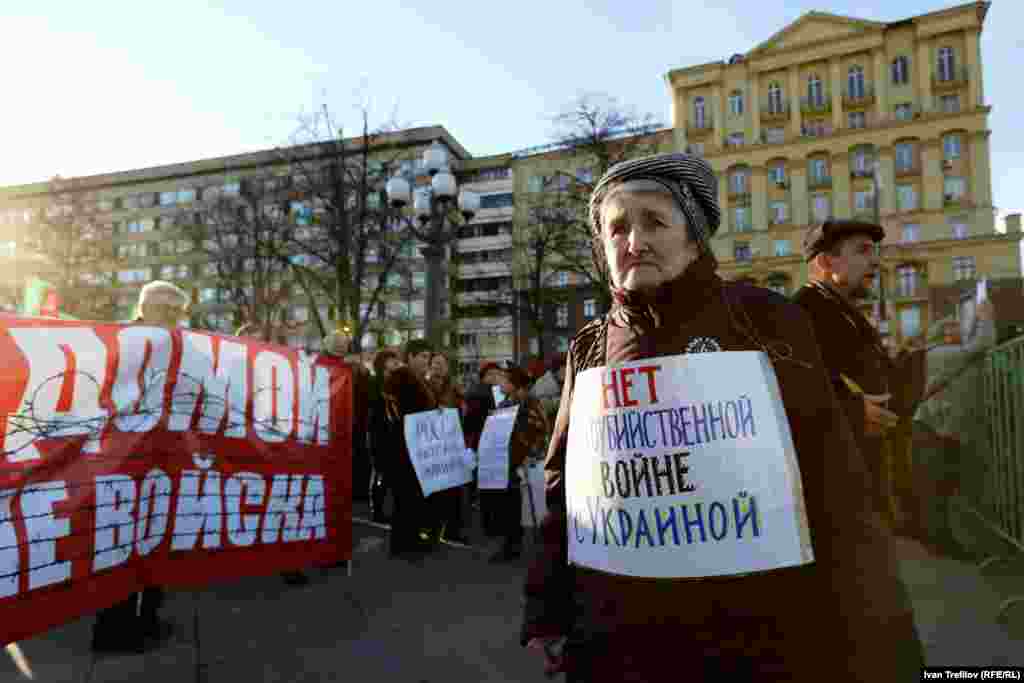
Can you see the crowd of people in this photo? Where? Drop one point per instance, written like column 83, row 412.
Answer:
column 652, row 219
column 417, row 379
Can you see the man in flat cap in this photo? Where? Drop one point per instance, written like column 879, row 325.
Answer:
column 842, row 262
column 845, row 612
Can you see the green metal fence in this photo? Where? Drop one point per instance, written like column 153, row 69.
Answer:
column 987, row 406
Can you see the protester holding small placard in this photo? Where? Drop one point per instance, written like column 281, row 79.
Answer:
column 788, row 579
column 529, row 437
column 405, row 391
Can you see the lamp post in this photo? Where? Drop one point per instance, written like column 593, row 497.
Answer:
column 435, row 224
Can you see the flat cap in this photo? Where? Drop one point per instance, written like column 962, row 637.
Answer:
column 823, row 236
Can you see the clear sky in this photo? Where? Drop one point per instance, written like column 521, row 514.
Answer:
column 90, row 87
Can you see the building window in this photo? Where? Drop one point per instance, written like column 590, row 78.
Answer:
column 954, row 188
column 782, row 248
column 951, row 146
column 562, row 279
column 563, row 343
column 736, row 103
column 232, row 187
column 819, row 170
column 734, row 140
column 821, row 207
column 168, row 198
column 698, row 112
column 910, row 321
column 777, row 212
column 738, row 182
column 775, row 136
column 534, row 345
column 589, row 308
column 958, row 228
column 947, row 64
column 741, row 251
column 855, row 82
column 777, row 173
column 857, row 119
column 815, row 92
column 862, row 200
column 139, row 226
column 208, row 295
column 741, row 219
column 186, row 196
column 963, row 268
column 906, row 197
column 904, row 112
column 774, row 98
column 134, row 275
column 911, row 232
column 949, row 104
column 496, row 201
column 904, row 156
column 862, row 160
column 900, row 70
column 584, row 175
column 562, row 315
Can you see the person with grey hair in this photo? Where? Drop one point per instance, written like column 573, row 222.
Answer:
column 134, row 624
column 846, row 613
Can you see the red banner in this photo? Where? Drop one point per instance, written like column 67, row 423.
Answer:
column 135, row 456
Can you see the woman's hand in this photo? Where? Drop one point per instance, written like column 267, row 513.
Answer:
column 553, row 649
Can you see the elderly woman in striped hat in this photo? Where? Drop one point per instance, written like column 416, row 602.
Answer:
column 846, row 612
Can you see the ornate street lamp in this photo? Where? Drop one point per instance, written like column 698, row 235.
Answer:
column 436, row 209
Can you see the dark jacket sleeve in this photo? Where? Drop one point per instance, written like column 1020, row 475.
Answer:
column 836, row 350
column 851, row 545
column 548, row 591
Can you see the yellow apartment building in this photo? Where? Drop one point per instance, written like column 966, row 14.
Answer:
column 801, row 127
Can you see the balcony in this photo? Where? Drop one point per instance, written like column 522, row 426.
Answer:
column 950, row 81
column 775, row 114
column 819, row 131
column 822, row 105
column 819, row 182
column 866, row 172
column 699, row 129
column 739, row 197
column 913, row 169
column 862, row 98
column 946, row 104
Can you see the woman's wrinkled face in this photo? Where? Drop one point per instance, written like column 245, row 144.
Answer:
column 390, row 365
column 645, row 237
column 439, row 366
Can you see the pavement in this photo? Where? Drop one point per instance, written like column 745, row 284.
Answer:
column 454, row 619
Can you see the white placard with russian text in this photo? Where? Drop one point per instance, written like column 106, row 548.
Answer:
column 493, row 448
column 437, row 448
column 684, row 466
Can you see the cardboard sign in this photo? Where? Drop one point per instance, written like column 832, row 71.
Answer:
column 437, row 449
column 684, row 466
column 535, row 506
column 493, row 448
column 134, row 456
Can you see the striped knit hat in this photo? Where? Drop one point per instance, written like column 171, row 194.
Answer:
column 689, row 180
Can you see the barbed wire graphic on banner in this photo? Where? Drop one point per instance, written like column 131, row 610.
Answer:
column 294, row 503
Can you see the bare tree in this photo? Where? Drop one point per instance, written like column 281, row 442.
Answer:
column 355, row 252
column 242, row 235
column 76, row 249
column 314, row 226
column 593, row 133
